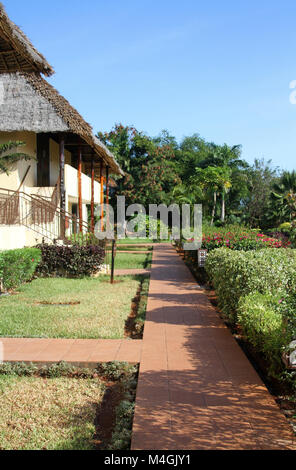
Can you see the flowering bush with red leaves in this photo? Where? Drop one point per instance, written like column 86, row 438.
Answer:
column 73, row 261
column 241, row 241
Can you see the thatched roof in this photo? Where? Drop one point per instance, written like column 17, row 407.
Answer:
column 30, row 103
column 17, row 53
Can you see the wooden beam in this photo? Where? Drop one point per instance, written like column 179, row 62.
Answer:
column 92, row 205
column 77, row 144
column 80, row 189
column 62, row 187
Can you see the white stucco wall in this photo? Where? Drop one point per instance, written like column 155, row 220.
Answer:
column 71, row 183
column 18, row 170
column 15, row 236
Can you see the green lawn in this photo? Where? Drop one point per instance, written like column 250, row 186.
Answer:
column 48, row 414
column 133, row 261
column 134, row 248
column 101, row 313
column 134, row 241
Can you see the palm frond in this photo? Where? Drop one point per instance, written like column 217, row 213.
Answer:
column 7, row 158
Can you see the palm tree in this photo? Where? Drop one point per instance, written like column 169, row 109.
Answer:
column 217, row 180
column 187, row 195
column 224, row 156
column 227, row 160
column 9, row 154
column 283, row 195
column 225, row 182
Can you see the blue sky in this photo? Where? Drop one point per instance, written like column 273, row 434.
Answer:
column 218, row 68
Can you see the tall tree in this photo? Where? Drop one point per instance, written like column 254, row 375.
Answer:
column 192, row 151
column 149, row 165
column 282, row 196
column 229, row 160
column 217, row 181
column 261, row 177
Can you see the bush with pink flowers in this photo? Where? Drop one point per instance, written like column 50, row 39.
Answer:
column 244, row 241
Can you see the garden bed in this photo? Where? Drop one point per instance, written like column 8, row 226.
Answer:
column 70, row 308
column 134, row 326
column 63, row 408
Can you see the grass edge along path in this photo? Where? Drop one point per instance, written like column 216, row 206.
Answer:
column 68, row 411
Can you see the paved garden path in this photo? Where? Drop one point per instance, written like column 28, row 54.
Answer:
column 197, row 389
column 81, row 352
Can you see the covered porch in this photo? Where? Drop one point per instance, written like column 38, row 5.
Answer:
column 82, row 181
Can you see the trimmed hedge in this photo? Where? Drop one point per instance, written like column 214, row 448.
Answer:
column 235, row 274
column 75, row 261
column 18, row 266
column 256, row 292
column 264, row 326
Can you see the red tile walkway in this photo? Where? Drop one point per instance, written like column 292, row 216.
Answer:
column 81, row 352
column 197, row 389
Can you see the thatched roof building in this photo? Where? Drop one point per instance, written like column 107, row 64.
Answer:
column 29, row 103
column 17, row 52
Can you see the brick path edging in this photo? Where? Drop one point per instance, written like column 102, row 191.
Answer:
column 79, row 352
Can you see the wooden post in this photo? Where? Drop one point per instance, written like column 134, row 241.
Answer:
column 62, row 187
column 107, row 196
column 113, row 260
column 92, row 206
column 80, row 188
column 102, row 195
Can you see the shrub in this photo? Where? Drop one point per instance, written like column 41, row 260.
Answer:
column 235, row 274
column 264, row 327
column 287, row 308
column 1, row 269
column 285, row 227
column 75, row 261
column 116, row 370
column 256, row 291
column 84, row 239
column 18, row 369
column 283, row 237
column 243, row 241
column 234, row 237
column 18, row 266
column 145, row 223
